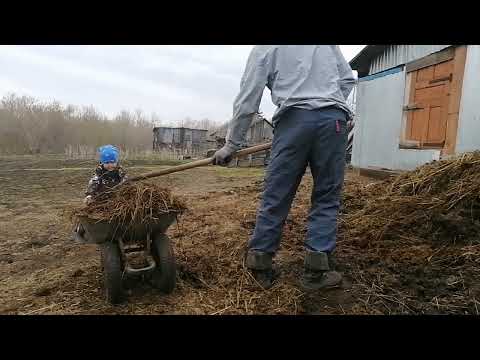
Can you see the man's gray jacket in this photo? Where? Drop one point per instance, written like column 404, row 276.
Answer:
column 303, row 76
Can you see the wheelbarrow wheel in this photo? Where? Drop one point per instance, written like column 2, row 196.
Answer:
column 112, row 272
column 164, row 276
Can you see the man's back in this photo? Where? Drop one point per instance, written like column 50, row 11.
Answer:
column 305, row 76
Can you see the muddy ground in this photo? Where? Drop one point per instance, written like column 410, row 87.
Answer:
column 42, row 271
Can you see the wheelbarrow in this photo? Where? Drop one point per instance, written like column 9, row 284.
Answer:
column 117, row 241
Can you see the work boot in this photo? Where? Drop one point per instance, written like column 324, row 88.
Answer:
column 77, row 234
column 319, row 271
column 260, row 265
column 80, row 230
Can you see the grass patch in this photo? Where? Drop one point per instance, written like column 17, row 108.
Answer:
column 239, row 172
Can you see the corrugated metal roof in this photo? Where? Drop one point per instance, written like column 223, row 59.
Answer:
column 395, row 55
column 361, row 62
column 375, row 58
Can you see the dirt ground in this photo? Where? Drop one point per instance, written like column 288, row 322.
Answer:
column 42, row 271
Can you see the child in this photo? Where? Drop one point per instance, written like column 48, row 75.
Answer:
column 107, row 174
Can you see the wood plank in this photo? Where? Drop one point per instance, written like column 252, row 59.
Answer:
column 433, row 145
column 435, row 74
column 457, row 80
column 410, row 144
column 436, row 125
column 443, row 70
column 450, row 134
column 454, row 98
column 441, row 101
column 409, row 127
column 377, row 173
column 411, row 94
column 430, row 60
column 425, row 74
column 420, row 125
column 412, row 107
column 405, row 120
column 430, row 93
column 437, row 120
column 431, row 83
column 413, row 80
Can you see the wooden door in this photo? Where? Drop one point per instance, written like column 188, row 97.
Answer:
column 428, row 104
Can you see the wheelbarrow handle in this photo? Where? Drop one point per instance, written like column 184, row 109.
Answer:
column 198, row 163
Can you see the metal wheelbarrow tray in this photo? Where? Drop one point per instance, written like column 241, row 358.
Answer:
column 118, row 241
column 101, row 231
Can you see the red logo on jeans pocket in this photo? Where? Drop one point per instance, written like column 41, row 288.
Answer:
column 337, row 124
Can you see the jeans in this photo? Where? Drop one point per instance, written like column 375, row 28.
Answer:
column 314, row 138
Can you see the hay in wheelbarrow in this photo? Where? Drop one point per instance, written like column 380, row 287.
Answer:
column 131, row 204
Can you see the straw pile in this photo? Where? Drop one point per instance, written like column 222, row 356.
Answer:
column 439, row 202
column 132, row 203
column 412, row 245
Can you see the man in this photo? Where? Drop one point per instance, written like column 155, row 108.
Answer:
column 309, row 84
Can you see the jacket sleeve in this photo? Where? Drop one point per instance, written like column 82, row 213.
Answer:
column 247, row 102
column 123, row 176
column 346, row 81
column 93, row 184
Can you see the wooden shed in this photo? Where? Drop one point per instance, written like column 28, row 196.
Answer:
column 183, row 140
column 259, row 132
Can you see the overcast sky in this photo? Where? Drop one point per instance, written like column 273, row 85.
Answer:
column 175, row 82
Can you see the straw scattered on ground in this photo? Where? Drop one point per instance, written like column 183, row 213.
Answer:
column 407, row 245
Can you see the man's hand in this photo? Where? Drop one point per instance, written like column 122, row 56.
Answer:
column 223, row 156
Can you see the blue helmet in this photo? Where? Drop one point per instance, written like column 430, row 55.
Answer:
column 108, row 154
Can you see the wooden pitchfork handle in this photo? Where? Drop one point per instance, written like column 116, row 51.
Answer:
column 203, row 162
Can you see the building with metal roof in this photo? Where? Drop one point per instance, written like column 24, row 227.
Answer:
column 181, row 140
column 415, row 104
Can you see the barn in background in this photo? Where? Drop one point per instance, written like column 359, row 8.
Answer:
column 180, row 141
column 415, row 104
column 259, row 132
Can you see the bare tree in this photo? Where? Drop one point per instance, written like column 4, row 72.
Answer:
column 30, row 126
